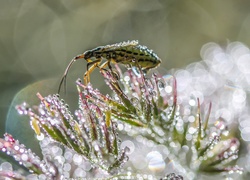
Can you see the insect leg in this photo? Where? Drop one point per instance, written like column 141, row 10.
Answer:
column 90, row 67
column 114, row 73
column 104, row 65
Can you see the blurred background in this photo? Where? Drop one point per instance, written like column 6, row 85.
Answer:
column 38, row 38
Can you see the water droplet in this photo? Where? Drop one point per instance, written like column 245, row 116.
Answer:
column 6, row 166
column 135, row 101
column 32, row 176
column 128, row 144
column 139, row 161
column 216, row 139
column 126, row 149
column 79, row 173
column 77, row 159
column 243, row 63
column 126, row 78
column 115, row 125
column 168, row 89
column 66, row 106
column 53, row 108
column 220, row 124
column 86, row 166
column 42, row 177
column 40, row 137
column 126, row 158
column 54, row 97
column 79, row 80
column 143, row 90
column 49, row 98
column 155, row 161
column 24, row 157
column 192, row 102
column 67, row 167
column 68, row 156
column 161, row 84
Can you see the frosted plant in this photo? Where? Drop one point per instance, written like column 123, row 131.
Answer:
column 141, row 131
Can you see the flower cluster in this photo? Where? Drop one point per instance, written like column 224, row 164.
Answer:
column 142, row 131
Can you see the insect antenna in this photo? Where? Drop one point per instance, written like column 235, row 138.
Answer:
column 65, row 75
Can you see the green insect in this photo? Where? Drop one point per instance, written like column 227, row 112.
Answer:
column 129, row 53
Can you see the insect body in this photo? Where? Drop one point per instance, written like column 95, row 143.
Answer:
column 128, row 53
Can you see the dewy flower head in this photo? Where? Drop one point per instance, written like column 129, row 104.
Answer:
column 142, row 121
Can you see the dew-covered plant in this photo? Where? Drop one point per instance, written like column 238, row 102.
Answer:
column 141, row 131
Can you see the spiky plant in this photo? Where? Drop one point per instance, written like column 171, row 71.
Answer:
column 107, row 134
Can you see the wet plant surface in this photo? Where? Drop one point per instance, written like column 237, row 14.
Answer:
column 147, row 128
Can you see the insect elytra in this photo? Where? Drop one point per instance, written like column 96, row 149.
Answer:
column 128, row 53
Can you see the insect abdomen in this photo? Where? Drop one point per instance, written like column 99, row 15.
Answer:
column 137, row 55
column 127, row 53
